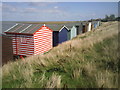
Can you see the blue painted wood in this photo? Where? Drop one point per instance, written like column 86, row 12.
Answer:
column 55, row 38
column 63, row 35
column 95, row 25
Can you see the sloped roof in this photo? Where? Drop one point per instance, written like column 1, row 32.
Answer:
column 24, row 28
column 32, row 28
column 95, row 22
column 70, row 25
column 55, row 27
column 4, row 36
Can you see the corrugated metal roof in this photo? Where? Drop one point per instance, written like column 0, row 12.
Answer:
column 95, row 22
column 32, row 28
column 70, row 25
column 55, row 27
column 25, row 28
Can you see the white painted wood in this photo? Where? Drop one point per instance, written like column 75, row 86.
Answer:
column 89, row 26
column 63, row 27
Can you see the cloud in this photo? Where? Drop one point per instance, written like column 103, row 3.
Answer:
column 30, row 10
column 56, row 7
column 37, row 4
column 39, row 13
column 41, row 4
column 8, row 8
column 37, row 10
column 52, row 11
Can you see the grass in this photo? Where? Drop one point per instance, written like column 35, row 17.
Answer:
column 87, row 62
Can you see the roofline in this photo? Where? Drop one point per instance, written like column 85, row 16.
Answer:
column 11, row 27
column 73, row 26
column 64, row 27
column 25, row 28
column 41, row 28
column 18, row 33
column 3, row 35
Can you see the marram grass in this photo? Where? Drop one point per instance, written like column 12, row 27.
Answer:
column 89, row 60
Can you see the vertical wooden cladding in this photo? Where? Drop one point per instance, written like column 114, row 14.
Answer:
column 55, row 38
column 73, row 32
column 6, row 52
column 79, row 29
column 89, row 26
column 42, row 40
column 63, row 35
column 96, row 24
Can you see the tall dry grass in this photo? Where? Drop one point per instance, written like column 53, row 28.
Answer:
column 54, row 81
column 70, row 60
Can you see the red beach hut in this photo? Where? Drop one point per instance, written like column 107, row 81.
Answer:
column 30, row 39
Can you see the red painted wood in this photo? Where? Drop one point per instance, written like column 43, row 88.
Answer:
column 38, row 43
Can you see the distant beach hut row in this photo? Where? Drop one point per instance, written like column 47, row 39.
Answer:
column 34, row 39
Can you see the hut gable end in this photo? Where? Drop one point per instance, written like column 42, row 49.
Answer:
column 63, row 35
column 30, row 39
column 42, row 40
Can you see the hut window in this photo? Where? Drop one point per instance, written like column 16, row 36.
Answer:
column 23, row 40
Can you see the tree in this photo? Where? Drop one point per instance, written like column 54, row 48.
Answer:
column 106, row 18
column 117, row 19
column 109, row 18
column 112, row 17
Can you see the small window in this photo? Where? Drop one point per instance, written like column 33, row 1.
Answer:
column 23, row 40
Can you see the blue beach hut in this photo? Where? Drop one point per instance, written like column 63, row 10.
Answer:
column 60, row 33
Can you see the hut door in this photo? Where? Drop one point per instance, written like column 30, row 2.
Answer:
column 83, row 29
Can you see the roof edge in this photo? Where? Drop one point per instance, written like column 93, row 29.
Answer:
column 18, row 33
column 64, row 27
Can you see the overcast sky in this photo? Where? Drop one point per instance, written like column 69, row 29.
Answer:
column 56, row 11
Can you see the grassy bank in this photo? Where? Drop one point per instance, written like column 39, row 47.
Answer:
column 88, row 61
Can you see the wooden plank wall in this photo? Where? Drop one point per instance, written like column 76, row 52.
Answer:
column 22, row 44
column 43, row 40
column 7, row 52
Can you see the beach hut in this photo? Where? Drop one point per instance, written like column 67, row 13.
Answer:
column 6, row 52
column 72, row 30
column 89, row 26
column 80, row 29
column 84, row 27
column 30, row 39
column 96, row 24
column 60, row 33
column 78, row 26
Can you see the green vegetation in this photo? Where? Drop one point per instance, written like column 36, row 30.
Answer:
column 107, row 18
column 88, row 61
column 110, row 18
